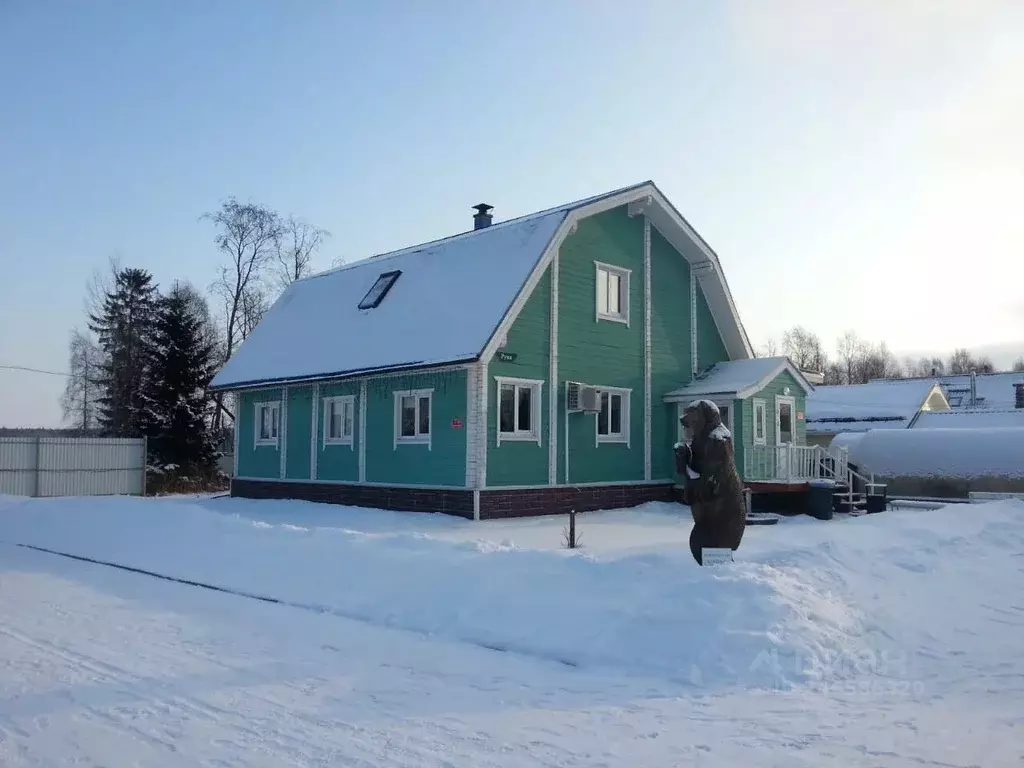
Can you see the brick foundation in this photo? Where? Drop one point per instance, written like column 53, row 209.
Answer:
column 531, row 502
column 494, row 504
column 451, row 502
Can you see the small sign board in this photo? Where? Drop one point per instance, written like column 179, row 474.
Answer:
column 716, row 555
column 799, row 415
column 456, row 423
column 506, row 357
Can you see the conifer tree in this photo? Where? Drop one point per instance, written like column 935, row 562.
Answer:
column 123, row 327
column 181, row 365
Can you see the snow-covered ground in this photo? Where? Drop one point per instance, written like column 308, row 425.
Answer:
column 893, row 639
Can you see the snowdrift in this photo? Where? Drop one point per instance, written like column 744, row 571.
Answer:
column 797, row 611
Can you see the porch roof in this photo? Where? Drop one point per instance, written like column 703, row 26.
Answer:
column 737, row 379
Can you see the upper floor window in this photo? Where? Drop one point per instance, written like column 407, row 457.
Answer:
column 519, row 407
column 339, row 418
column 379, row 289
column 412, row 416
column 267, row 419
column 612, row 293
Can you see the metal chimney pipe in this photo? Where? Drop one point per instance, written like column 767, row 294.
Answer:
column 482, row 218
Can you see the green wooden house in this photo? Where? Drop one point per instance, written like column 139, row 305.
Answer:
column 522, row 367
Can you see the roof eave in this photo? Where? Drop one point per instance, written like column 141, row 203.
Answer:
column 235, row 386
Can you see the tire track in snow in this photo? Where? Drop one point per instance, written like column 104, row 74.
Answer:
column 312, row 607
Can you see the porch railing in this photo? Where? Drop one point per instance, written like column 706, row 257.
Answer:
column 794, row 463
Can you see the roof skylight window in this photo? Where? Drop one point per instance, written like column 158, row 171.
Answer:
column 379, row 290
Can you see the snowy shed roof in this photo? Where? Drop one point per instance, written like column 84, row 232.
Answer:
column 876, row 405
column 451, row 301
column 737, row 378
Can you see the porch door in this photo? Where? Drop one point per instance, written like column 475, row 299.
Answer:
column 785, row 434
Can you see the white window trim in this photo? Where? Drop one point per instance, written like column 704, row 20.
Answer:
column 622, row 439
column 624, row 276
column 419, row 438
column 534, row 435
column 760, row 401
column 275, row 409
column 328, row 401
column 779, row 399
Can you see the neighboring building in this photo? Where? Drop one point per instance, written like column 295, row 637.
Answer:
column 523, row 367
column 990, row 391
column 762, row 402
column 883, row 404
column 972, row 419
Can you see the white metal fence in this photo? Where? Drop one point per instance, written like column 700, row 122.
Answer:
column 72, row 466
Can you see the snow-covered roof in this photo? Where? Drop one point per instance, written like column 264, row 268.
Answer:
column 945, row 453
column 993, row 390
column 448, row 303
column 737, row 378
column 859, row 407
column 970, row 419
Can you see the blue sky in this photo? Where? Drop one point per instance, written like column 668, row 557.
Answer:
column 855, row 164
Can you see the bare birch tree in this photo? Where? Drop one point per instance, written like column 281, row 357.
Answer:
column 80, row 400
column 248, row 235
column 299, row 242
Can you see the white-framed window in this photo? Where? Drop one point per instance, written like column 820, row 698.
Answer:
column 612, row 298
column 339, row 420
column 612, row 421
column 413, row 416
column 519, row 409
column 267, row 423
column 760, row 421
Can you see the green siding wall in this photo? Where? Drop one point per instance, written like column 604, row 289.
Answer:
column 670, row 347
column 516, row 462
column 444, row 461
column 338, row 462
column 710, row 347
column 253, row 460
column 300, row 427
column 601, row 353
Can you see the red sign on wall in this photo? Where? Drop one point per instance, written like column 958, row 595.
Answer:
column 799, row 415
column 456, row 423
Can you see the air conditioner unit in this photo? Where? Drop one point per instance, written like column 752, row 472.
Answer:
column 590, row 400
column 579, row 398
column 572, row 395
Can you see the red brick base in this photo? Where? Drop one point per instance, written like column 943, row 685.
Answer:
column 560, row 501
column 451, row 502
column 494, row 504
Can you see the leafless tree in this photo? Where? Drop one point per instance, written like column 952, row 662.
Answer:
column 254, row 306
column 875, row 362
column 1018, row 365
column 299, row 242
column 834, row 373
column 80, row 400
column 769, row 349
column 804, row 348
column 960, row 361
column 848, row 347
column 248, row 235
